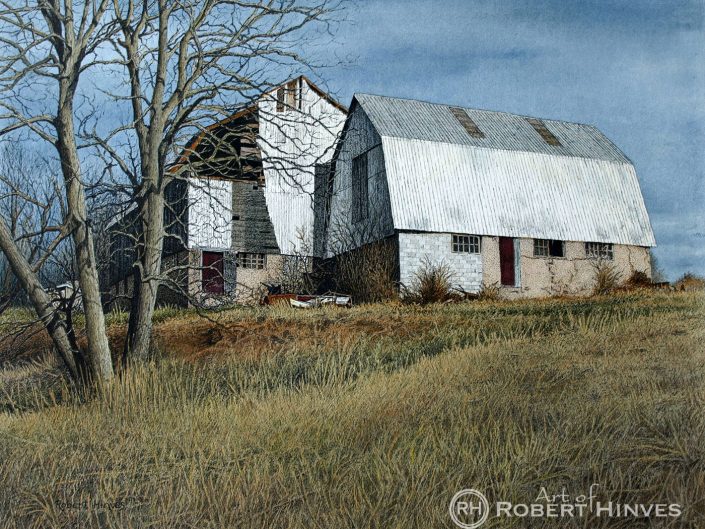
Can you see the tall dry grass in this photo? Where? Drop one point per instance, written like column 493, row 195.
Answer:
column 381, row 431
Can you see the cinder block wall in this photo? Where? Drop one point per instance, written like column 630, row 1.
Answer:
column 415, row 248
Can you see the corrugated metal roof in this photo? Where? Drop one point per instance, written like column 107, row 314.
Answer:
column 510, row 183
column 406, row 118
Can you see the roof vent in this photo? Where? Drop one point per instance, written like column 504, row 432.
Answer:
column 546, row 134
column 466, row 121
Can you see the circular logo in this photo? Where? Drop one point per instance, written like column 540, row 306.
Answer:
column 469, row 509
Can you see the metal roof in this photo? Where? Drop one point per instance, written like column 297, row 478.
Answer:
column 509, row 183
column 419, row 120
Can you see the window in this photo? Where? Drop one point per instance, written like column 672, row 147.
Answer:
column 599, row 250
column 548, row 248
column 547, row 135
column 359, row 188
column 465, row 243
column 467, row 122
column 280, row 99
column 212, row 273
column 289, row 97
column 251, row 260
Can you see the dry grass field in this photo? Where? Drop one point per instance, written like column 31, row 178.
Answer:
column 370, row 417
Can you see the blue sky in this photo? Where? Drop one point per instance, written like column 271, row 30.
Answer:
column 635, row 69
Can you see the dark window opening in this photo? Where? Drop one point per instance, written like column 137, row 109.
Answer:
column 548, row 248
column 280, row 99
column 359, row 188
column 467, row 122
column 236, row 217
column 547, row 135
column 212, row 273
column 465, row 243
column 289, row 96
column 599, row 250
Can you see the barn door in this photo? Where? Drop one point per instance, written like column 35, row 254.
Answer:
column 212, row 273
column 507, row 261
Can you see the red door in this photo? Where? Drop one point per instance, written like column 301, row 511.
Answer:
column 212, row 273
column 506, row 261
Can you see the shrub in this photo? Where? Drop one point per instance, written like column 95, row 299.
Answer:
column 690, row 281
column 489, row 292
column 368, row 272
column 638, row 279
column 431, row 284
column 607, row 278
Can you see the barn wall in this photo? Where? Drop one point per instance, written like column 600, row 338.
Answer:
column 293, row 143
column 573, row 274
column 343, row 234
column 172, row 293
column 252, row 229
column 415, row 249
column 210, row 213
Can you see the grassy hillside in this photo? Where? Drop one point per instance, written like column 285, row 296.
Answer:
column 372, row 417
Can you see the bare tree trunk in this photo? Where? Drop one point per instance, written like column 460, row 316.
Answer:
column 99, row 357
column 146, row 279
column 40, row 301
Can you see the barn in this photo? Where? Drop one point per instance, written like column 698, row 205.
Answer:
column 241, row 213
column 528, row 205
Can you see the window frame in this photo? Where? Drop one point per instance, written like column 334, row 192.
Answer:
column 599, row 251
column 251, row 260
column 465, row 243
column 548, row 246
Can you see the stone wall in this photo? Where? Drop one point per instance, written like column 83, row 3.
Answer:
column 242, row 285
column 572, row 275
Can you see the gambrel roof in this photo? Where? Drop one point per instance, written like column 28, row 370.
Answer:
column 492, row 173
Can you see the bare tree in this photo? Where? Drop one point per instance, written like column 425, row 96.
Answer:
column 34, row 247
column 47, row 46
column 174, row 68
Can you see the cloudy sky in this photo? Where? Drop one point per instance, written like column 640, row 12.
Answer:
column 634, row 68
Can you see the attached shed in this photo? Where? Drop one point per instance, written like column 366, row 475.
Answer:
column 524, row 203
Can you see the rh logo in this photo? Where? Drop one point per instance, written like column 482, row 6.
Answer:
column 469, row 509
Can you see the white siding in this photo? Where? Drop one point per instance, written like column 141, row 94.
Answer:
column 416, row 249
column 292, row 143
column 210, row 213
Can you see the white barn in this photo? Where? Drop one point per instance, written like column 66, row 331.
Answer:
column 247, row 205
column 526, row 204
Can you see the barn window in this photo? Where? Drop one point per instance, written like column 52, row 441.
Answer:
column 289, row 96
column 465, row 243
column 359, row 188
column 280, row 99
column 212, row 273
column 548, row 248
column 251, row 260
column 466, row 121
column 547, row 135
column 599, row 250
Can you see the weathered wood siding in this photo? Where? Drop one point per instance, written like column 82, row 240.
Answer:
column 343, row 233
